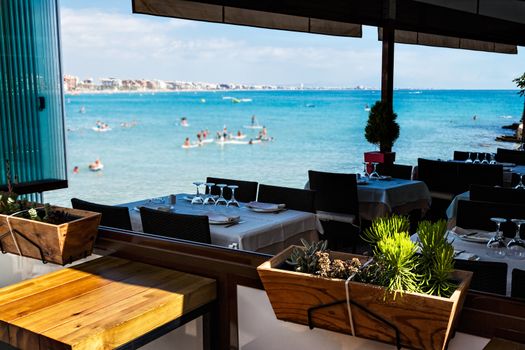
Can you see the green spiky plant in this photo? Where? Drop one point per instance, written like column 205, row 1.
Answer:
column 397, row 255
column 384, row 227
column 436, row 260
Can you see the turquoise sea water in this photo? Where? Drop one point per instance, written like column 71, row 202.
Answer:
column 322, row 130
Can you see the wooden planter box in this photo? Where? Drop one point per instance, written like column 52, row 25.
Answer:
column 423, row 321
column 60, row 244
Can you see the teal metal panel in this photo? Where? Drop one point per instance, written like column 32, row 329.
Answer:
column 32, row 132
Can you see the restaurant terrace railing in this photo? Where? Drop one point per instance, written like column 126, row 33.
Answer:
column 485, row 315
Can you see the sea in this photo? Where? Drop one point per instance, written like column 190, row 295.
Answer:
column 322, row 130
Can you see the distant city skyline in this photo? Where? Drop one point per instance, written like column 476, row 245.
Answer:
column 102, row 38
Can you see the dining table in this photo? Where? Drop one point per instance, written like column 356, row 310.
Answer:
column 471, row 244
column 259, row 231
column 381, row 197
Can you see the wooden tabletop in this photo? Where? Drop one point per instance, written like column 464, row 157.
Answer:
column 101, row 304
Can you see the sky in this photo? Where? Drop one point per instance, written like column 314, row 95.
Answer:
column 103, row 38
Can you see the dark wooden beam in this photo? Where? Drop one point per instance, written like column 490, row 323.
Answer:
column 387, row 68
column 410, row 15
column 37, row 186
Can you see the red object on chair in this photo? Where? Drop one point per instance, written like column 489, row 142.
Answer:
column 379, row 157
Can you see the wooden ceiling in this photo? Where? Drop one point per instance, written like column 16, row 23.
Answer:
column 464, row 19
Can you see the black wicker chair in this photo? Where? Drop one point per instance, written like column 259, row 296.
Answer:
column 476, row 215
column 478, row 174
column 488, row 276
column 112, row 216
column 462, row 155
column 397, row 171
column 294, row 198
column 182, row 226
column 337, row 193
column 246, row 192
column 497, row 194
column 518, row 284
column 510, row 156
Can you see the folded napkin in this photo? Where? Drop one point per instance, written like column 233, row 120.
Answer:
column 216, row 217
column 472, row 234
column 265, row 206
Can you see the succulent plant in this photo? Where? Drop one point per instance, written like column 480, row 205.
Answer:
column 305, row 259
column 48, row 215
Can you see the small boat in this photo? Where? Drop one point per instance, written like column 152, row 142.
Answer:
column 207, row 141
column 246, row 100
column 255, row 126
column 235, row 100
column 239, row 137
column 203, row 100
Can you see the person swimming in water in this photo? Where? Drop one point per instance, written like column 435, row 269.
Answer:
column 184, row 121
column 187, row 142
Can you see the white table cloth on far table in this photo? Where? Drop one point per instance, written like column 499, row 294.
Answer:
column 261, row 232
column 381, row 197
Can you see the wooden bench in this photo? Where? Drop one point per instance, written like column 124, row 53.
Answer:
column 102, row 304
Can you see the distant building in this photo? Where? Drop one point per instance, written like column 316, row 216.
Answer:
column 110, row 84
column 71, row 82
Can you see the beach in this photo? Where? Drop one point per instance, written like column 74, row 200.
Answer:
column 311, row 129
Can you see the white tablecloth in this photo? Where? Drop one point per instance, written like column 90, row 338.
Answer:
column 381, row 197
column 262, row 232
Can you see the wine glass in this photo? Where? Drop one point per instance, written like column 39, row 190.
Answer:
column 485, row 161
column 520, row 186
column 496, row 245
column 233, row 201
column 221, row 200
column 197, row 199
column 516, row 246
column 366, row 175
column 209, row 197
column 469, row 158
column 493, row 159
column 476, row 161
column 374, row 174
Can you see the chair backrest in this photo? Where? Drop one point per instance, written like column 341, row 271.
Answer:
column 456, row 177
column 246, row 192
column 335, row 192
column 488, row 276
column 476, row 215
column 112, row 216
column 397, row 171
column 478, row 174
column 294, row 198
column 438, row 175
column 182, row 226
column 497, row 194
column 518, row 284
column 510, row 156
column 462, row 155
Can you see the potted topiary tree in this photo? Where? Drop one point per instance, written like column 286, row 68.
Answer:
column 381, row 130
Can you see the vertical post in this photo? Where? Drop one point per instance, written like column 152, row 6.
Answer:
column 387, row 70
